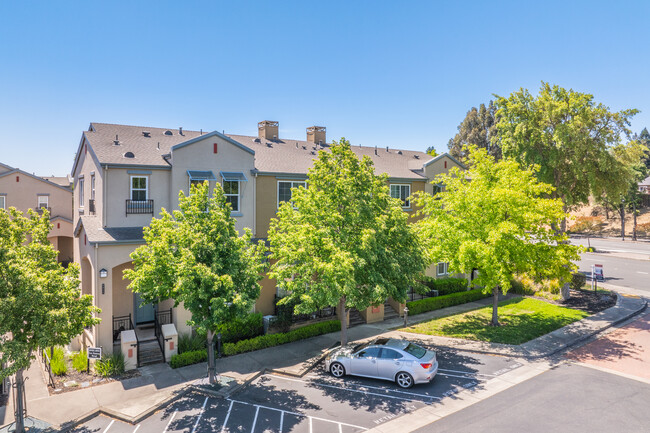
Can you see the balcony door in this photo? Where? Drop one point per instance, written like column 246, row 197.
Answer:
column 144, row 313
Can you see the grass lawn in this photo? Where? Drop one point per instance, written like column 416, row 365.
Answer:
column 522, row 319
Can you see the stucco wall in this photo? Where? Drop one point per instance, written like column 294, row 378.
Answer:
column 87, row 167
column 436, row 168
column 229, row 158
column 118, row 190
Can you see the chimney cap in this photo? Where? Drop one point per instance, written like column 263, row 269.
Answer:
column 268, row 123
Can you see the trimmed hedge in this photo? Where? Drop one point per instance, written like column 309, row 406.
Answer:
column 188, row 358
column 578, row 280
column 430, row 304
column 261, row 342
column 446, row 286
column 270, row 340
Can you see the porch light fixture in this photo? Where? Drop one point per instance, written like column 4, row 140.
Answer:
column 103, row 273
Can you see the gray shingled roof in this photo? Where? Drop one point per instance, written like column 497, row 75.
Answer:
column 281, row 156
column 96, row 234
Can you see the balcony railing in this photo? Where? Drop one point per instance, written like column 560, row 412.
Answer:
column 91, row 206
column 139, row 207
column 41, row 208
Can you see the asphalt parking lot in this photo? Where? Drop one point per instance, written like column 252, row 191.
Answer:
column 314, row 403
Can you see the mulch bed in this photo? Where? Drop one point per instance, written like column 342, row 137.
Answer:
column 589, row 301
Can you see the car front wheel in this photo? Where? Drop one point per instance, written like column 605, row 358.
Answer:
column 337, row 369
column 404, row 380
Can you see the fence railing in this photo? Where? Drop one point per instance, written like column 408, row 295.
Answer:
column 161, row 318
column 318, row 314
column 121, row 323
column 45, row 358
column 139, row 207
column 645, row 200
column 412, row 295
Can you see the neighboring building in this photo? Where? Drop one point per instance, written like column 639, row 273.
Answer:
column 23, row 191
column 124, row 175
column 644, row 185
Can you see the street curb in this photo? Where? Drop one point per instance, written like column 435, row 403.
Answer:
column 527, row 355
column 117, row 415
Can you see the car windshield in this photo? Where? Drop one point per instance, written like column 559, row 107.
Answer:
column 359, row 347
column 414, row 350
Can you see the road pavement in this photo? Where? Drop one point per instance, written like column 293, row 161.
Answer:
column 314, row 403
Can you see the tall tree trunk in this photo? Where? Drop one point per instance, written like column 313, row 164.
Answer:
column 211, row 367
column 344, row 321
column 622, row 211
column 495, row 307
column 20, row 420
column 634, row 223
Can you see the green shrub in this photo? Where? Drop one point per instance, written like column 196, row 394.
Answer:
column 270, row 340
column 521, row 287
column 189, row 358
column 578, row 280
column 191, row 343
column 80, row 361
column 430, row 304
column 59, row 366
column 242, row 329
column 110, row 365
column 445, row 286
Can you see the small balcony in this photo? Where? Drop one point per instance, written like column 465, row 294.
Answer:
column 91, row 206
column 40, row 209
column 139, row 207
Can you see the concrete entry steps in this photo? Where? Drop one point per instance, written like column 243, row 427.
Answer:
column 150, row 353
column 389, row 312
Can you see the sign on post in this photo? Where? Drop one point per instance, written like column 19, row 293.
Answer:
column 94, row 353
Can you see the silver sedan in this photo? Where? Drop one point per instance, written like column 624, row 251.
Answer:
column 385, row 358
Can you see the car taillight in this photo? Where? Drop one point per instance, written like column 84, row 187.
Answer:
column 426, row 366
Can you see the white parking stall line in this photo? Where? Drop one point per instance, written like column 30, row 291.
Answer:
column 109, row 425
column 170, row 420
column 310, row 427
column 455, row 375
column 281, row 421
column 302, row 415
column 136, row 428
column 344, row 388
column 257, row 412
column 223, row 427
column 196, row 424
column 340, row 428
column 641, row 272
column 440, row 370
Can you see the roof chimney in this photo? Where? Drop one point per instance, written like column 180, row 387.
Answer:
column 268, row 130
column 316, row 134
column 180, row 130
column 117, row 140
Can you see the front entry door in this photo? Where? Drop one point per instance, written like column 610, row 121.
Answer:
column 143, row 312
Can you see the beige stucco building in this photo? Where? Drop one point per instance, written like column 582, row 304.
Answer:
column 124, row 175
column 24, row 191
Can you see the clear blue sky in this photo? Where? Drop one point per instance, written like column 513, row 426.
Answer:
column 399, row 74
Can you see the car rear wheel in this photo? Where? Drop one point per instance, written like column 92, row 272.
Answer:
column 404, row 380
column 337, row 369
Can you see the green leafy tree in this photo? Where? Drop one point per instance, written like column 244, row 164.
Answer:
column 496, row 218
column 40, row 301
column 196, row 257
column 479, row 129
column 644, row 139
column 575, row 141
column 431, row 151
column 343, row 241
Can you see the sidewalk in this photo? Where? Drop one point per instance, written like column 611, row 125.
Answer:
column 134, row 399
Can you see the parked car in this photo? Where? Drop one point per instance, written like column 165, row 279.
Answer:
column 391, row 359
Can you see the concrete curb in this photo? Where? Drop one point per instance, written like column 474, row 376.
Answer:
column 520, row 352
column 118, row 415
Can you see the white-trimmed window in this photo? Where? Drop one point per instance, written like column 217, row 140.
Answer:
column 231, row 191
column 139, row 190
column 42, row 201
column 284, row 189
column 402, row 192
column 92, row 187
column 437, row 188
column 80, row 190
column 3, row 202
column 442, row 268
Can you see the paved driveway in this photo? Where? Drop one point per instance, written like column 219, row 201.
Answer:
column 314, row 403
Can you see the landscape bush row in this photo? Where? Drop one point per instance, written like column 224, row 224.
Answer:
column 109, row 365
column 259, row 342
column 438, row 302
column 445, row 286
